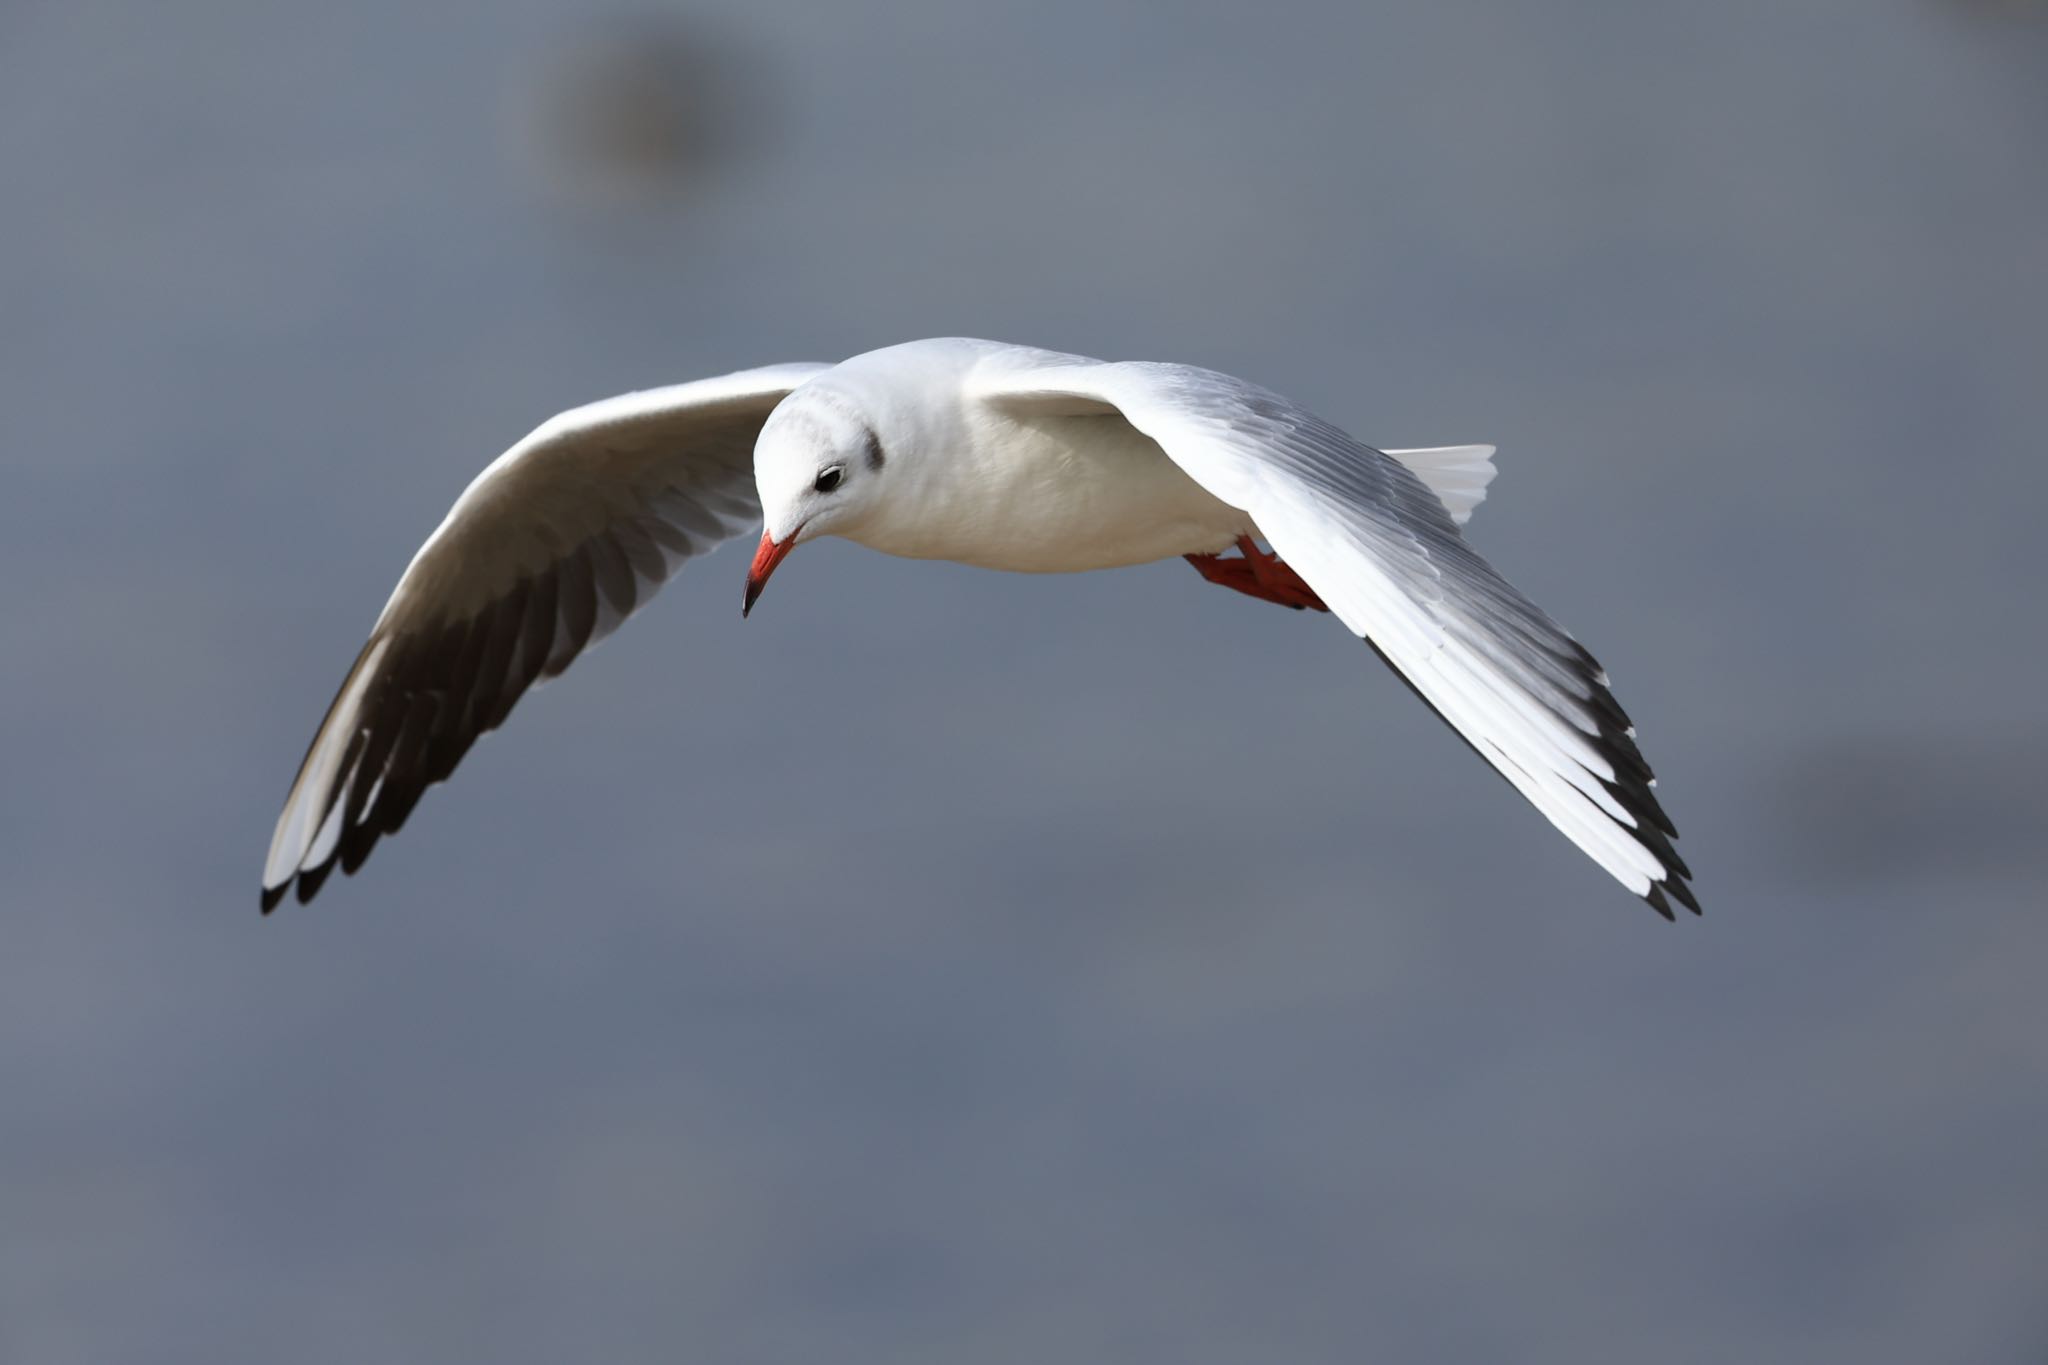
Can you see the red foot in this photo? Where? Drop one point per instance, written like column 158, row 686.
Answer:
column 1259, row 575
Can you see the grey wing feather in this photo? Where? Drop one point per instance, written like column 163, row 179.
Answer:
column 1383, row 551
column 544, row 554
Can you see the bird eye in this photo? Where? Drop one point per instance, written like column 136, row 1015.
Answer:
column 828, row 478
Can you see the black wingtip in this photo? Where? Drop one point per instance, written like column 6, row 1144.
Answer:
column 309, row 881
column 273, row 896
column 1661, row 894
column 1654, row 897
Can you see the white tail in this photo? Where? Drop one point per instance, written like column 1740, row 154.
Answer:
column 1457, row 474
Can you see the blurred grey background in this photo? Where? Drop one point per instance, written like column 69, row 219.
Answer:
column 950, row 967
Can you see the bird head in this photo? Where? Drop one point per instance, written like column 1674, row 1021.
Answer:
column 818, row 465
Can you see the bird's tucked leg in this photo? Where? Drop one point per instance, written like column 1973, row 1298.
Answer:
column 1259, row 575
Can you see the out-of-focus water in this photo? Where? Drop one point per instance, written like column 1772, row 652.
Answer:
column 947, row 966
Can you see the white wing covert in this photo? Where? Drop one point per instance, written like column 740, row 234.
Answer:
column 1383, row 551
column 555, row 543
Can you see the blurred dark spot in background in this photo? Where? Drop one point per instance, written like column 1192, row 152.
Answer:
column 639, row 113
column 2001, row 9
column 1854, row 809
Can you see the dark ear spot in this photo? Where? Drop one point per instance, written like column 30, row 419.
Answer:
column 874, row 449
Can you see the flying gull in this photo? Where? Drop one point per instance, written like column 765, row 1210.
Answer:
column 1007, row 457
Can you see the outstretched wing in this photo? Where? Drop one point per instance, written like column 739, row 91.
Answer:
column 1383, row 551
column 554, row 544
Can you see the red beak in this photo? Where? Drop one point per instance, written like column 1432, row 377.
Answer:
column 765, row 559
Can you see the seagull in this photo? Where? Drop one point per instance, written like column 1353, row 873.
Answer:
column 1002, row 456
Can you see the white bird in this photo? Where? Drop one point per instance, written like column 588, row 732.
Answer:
column 1002, row 456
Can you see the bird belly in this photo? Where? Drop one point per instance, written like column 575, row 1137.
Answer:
column 1067, row 494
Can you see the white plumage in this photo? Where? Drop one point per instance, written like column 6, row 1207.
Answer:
column 1002, row 456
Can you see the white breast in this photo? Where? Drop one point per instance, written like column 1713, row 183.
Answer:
column 1055, row 495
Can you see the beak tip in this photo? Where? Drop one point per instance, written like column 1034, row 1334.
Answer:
column 765, row 559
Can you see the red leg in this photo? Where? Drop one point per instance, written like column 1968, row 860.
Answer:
column 1259, row 575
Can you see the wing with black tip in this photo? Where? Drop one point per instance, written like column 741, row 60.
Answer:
column 553, row 545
